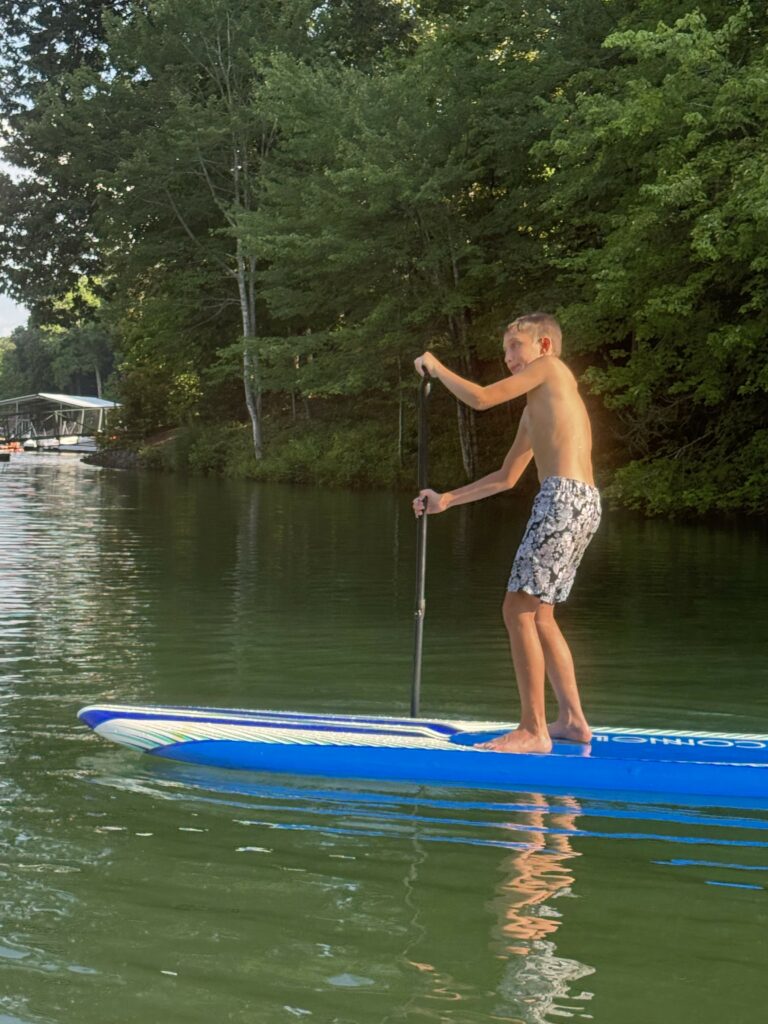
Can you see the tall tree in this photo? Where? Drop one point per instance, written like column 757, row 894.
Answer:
column 393, row 212
column 660, row 199
column 46, row 234
column 170, row 134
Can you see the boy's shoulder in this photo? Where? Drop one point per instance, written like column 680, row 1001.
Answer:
column 554, row 369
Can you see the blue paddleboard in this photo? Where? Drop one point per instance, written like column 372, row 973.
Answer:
column 442, row 752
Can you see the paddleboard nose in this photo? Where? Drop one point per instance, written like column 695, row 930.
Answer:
column 93, row 716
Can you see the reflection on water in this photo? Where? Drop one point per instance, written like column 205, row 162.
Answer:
column 527, row 894
column 535, row 874
column 136, row 890
column 71, row 590
column 537, row 981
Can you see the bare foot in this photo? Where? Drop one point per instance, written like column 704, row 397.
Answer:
column 519, row 741
column 570, row 731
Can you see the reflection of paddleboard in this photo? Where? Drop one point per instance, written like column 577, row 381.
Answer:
column 420, row 750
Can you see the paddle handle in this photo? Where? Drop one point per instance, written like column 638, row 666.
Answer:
column 421, row 545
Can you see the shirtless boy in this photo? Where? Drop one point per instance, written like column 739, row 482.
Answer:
column 554, row 430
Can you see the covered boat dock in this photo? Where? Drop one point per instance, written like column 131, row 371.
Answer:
column 52, row 421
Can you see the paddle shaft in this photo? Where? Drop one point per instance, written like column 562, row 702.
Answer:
column 421, row 545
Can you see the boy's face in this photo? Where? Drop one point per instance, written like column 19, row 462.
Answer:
column 521, row 348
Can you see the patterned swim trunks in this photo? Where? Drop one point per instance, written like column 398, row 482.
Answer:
column 564, row 518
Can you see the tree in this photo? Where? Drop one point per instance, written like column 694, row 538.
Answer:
column 661, row 204
column 26, row 362
column 169, row 130
column 46, row 237
column 392, row 215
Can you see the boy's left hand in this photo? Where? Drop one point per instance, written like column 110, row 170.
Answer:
column 428, row 501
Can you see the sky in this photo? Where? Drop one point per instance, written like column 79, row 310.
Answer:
column 11, row 315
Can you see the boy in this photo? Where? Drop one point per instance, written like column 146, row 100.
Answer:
column 554, row 430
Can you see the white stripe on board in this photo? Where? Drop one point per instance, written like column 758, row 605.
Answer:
column 425, row 728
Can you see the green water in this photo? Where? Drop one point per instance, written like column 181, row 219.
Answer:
column 135, row 890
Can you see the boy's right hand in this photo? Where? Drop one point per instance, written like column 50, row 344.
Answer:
column 425, row 363
column 431, row 500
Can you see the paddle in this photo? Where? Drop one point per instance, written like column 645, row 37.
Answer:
column 421, row 544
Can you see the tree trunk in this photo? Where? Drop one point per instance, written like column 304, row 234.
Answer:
column 251, row 381
column 98, row 379
column 400, row 415
column 250, row 370
column 467, row 418
column 467, row 439
column 400, row 429
column 467, row 421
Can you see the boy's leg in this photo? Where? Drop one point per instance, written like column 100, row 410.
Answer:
column 571, row 723
column 531, row 735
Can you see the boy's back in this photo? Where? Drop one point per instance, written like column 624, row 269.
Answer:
column 558, row 424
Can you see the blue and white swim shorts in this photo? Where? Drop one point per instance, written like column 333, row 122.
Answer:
column 565, row 515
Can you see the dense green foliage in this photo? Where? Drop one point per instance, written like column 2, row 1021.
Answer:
column 73, row 356
column 276, row 207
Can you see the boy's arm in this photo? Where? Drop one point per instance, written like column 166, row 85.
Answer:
column 475, row 395
column 517, row 458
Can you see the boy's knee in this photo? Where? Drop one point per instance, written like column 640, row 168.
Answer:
column 545, row 614
column 519, row 606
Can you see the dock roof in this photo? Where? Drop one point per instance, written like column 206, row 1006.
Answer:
column 73, row 401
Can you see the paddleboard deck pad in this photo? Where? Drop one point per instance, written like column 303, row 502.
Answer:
column 440, row 752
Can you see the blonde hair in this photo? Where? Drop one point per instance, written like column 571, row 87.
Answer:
column 541, row 325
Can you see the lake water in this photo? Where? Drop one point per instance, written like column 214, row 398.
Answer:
column 135, row 890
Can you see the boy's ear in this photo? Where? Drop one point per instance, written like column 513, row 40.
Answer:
column 546, row 344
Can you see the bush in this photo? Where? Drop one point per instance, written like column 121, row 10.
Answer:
column 714, row 483
column 339, row 454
